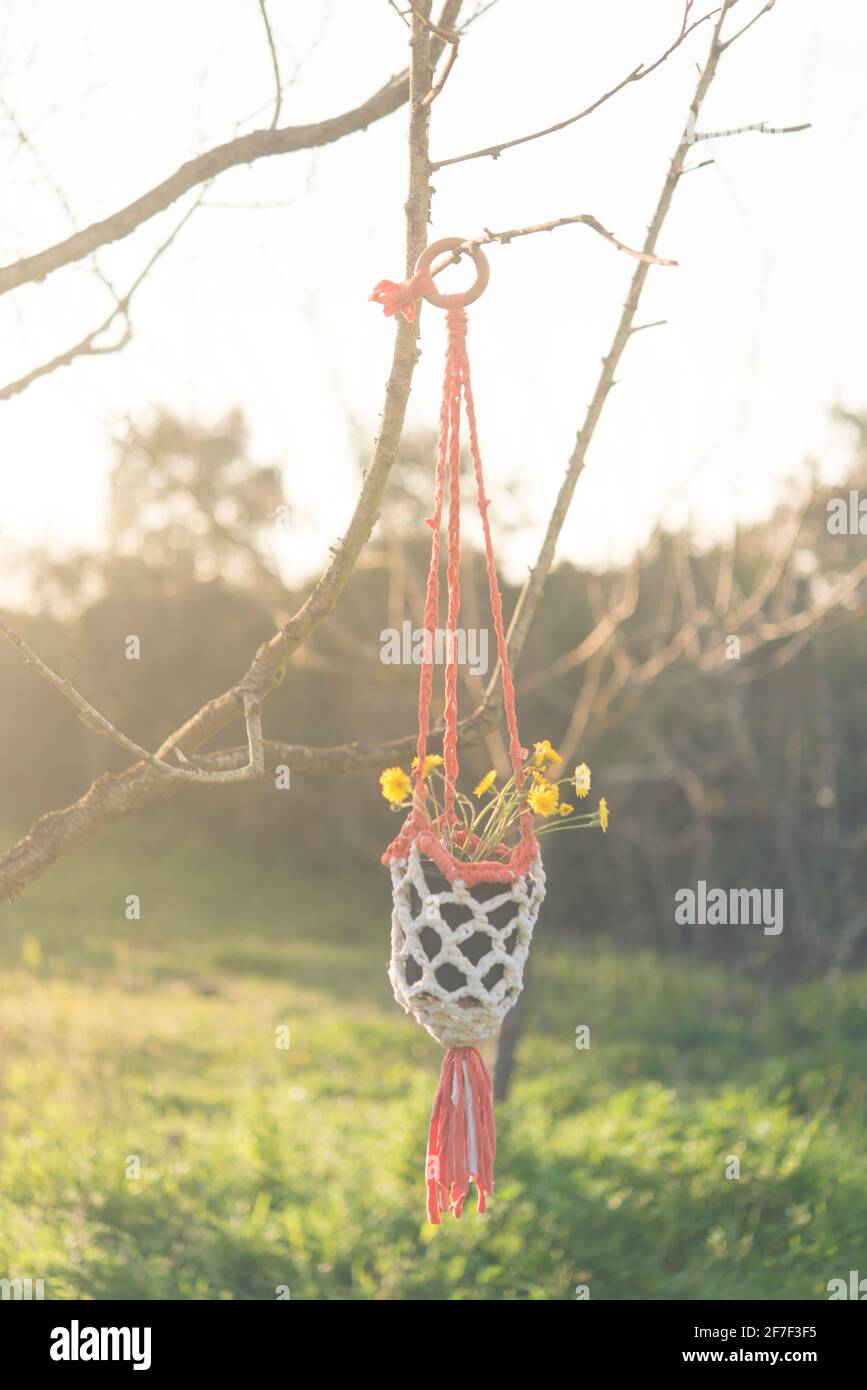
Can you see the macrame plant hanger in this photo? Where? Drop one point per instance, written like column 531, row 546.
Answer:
column 461, row 930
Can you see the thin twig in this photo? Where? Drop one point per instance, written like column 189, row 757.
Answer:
column 454, row 45
column 636, row 75
column 640, row 327
column 503, row 238
column 448, row 35
column 531, row 593
column 89, row 345
column 445, row 35
column 477, row 14
column 399, row 12
column 275, row 64
column 97, row 722
column 756, row 17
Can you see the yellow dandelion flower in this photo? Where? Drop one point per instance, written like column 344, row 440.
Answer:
column 486, row 783
column 431, row 761
column 566, row 809
column 582, row 779
column 395, row 785
column 603, row 814
column 543, row 798
column 543, row 753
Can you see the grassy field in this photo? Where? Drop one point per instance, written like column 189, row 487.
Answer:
column 259, row 1167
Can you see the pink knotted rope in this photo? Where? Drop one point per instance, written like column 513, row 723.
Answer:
column 515, row 862
column 402, row 299
column 461, row 1137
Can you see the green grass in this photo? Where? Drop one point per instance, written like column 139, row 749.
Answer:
column 263, row 1167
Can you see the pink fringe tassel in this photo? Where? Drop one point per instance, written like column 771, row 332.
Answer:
column 462, row 1140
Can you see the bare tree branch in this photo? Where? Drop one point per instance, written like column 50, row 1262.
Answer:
column 89, row 345
column 532, row 591
column 765, row 632
column 115, row 795
column 353, row 757
column 448, row 36
column 769, row 5
column 603, row 630
column 494, row 151
column 244, row 149
column 92, row 719
column 581, row 218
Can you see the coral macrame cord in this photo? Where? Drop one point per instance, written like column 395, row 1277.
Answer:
column 461, row 1137
column 457, row 386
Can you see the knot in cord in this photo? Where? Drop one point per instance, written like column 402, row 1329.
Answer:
column 456, row 318
column 402, row 298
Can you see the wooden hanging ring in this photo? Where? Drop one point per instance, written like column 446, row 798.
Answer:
column 483, row 271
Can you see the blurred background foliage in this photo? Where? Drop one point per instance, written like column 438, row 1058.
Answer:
column 262, row 1168
column 743, row 772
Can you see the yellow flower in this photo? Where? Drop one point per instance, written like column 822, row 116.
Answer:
column 431, row 761
column 582, row 780
column 603, row 814
column 543, row 798
column 395, row 784
column 544, row 753
column 486, row 783
column 566, row 809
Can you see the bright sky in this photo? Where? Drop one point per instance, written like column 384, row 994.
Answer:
column 262, row 301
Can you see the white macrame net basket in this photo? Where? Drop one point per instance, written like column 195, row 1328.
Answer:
column 457, row 963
